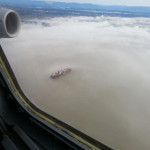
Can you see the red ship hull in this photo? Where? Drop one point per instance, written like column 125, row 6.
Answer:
column 60, row 73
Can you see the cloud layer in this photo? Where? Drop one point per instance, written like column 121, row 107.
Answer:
column 110, row 80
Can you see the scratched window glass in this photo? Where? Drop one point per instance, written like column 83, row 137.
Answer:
column 87, row 63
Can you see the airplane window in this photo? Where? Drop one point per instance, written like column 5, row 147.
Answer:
column 87, row 64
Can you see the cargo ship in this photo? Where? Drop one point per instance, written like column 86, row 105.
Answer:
column 60, row 73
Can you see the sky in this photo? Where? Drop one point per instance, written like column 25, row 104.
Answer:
column 109, row 2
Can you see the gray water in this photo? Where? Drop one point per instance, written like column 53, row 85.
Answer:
column 107, row 94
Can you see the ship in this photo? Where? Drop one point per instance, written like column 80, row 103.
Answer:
column 60, row 73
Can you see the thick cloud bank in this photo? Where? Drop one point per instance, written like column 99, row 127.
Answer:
column 107, row 94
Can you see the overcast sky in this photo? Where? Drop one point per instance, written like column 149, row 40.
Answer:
column 110, row 2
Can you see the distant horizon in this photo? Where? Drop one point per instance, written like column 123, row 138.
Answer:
column 144, row 3
column 126, row 3
column 71, row 8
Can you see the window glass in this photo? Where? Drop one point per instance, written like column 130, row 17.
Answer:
column 87, row 64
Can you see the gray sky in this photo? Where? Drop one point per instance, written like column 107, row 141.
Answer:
column 110, row 2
